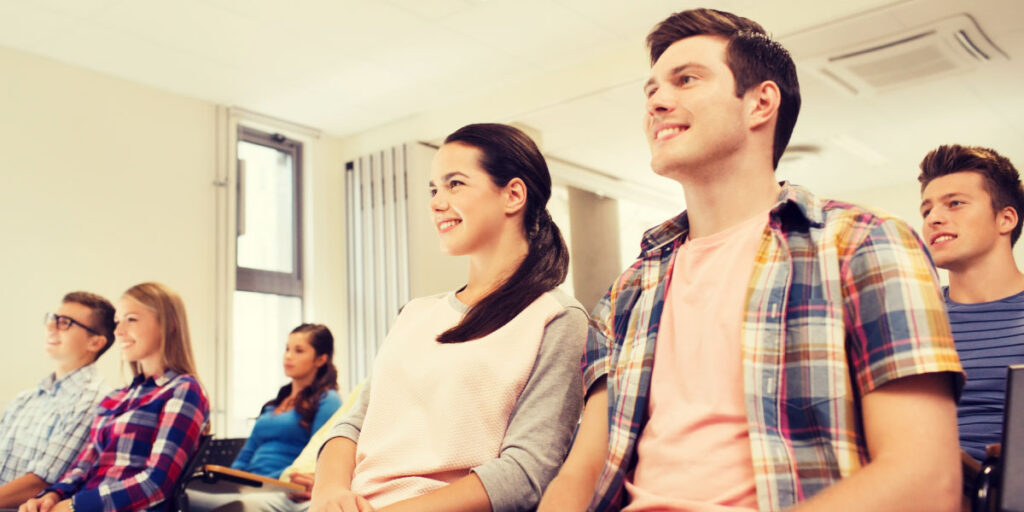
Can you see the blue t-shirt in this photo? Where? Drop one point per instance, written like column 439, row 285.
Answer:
column 989, row 337
column 277, row 439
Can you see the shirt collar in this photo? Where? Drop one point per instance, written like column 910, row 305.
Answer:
column 76, row 378
column 791, row 198
column 157, row 381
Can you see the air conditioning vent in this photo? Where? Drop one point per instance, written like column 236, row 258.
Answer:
column 949, row 46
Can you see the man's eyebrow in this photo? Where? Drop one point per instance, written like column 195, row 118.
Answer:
column 674, row 72
column 942, row 198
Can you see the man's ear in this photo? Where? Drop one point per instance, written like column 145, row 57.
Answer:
column 1006, row 220
column 764, row 107
column 515, row 196
column 96, row 343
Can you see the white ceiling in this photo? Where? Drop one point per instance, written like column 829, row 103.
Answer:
column 571, row 69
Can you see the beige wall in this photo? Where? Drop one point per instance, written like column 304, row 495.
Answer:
column 594, row 244
column 105, row 183
column 430, row 270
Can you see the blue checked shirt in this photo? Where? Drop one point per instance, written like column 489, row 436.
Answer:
column 43, row 429
column 840, row 301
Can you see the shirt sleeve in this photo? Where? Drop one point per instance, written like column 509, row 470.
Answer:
column 248, row 449
column 14, row 405
column 543, row 420
column 898, row 325
column 596, row 360
column 352, row 423
column 179, row 426
column 68, row 439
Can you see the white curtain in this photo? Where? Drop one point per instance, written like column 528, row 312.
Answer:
column 378, row 252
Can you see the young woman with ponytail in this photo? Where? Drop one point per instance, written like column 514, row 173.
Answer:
column 475, row 393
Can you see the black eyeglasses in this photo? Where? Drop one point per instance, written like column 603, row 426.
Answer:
column 65, row 322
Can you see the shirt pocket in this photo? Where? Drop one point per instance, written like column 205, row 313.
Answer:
column 815, row 369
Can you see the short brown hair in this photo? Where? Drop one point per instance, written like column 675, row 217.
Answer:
column 752, row 56
column 999, row 176
column 102, row 315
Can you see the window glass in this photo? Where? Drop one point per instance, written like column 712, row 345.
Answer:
column 266, row 215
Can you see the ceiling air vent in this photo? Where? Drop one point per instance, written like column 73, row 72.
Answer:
column 948, row 46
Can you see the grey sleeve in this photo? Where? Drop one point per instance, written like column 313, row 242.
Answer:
column 352, row 422
column 543, row 420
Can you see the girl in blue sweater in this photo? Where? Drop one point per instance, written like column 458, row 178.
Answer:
column 301, row 406
column 288, row 421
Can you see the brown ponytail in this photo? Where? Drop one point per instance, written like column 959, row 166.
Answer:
column 509, row 153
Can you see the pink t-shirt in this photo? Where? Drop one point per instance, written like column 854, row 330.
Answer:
column 694, row 452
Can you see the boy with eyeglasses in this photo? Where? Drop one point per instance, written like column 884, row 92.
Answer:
column 44, row 428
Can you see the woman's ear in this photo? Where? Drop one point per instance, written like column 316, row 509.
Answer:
column 515, row 196
column 320, row 360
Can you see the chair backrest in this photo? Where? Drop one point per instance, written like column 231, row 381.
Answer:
column 1011, row 485
column 178, row 501
column 209, row 451
column 220, row 451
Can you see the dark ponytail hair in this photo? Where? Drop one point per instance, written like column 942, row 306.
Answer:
column 508, row 153
column 308, row 402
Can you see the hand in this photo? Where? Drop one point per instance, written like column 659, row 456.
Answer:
column 338, row 500
column 305, row 480
column 994, row 450
column 44, row 503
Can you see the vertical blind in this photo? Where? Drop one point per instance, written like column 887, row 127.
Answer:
column 377, row 252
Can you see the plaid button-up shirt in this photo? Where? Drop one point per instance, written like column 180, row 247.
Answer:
column 140, row 441
column 840, row 301
column 43, row 429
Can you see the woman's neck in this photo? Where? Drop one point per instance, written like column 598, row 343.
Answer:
column 152, row 368
column 301, row 383
column 489, row 268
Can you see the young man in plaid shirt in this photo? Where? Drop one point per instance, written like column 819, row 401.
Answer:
column 768, row 349
column 43, row 429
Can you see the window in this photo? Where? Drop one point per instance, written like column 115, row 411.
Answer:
column 269, row 288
